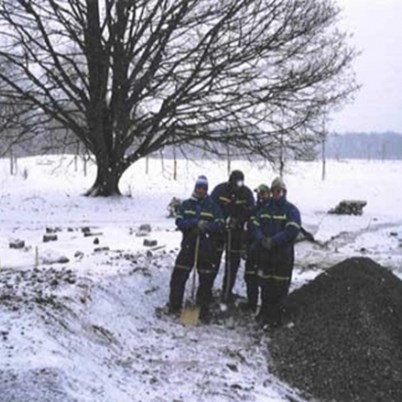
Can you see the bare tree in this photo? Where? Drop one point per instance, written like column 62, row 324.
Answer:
column 129, row 77
column 26, row 130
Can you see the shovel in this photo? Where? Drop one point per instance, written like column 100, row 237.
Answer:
column 307, row 236
column 191, row 312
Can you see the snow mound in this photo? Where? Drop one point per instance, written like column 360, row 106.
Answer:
column 343, row 338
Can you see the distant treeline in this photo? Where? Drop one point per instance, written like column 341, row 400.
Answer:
column 382, row 146
column 386, row 145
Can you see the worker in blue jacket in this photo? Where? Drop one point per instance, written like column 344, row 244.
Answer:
column 236, row 201
column 251, row 267
column 198, row 218
column 276, row 227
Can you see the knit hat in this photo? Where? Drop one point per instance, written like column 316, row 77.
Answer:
column 202, row 182
column 236, row 176
column 278, row 183
column 262, row 188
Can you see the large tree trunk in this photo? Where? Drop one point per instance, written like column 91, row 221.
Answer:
column 107, row 180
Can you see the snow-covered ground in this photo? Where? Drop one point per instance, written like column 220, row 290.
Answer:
column 87, row 330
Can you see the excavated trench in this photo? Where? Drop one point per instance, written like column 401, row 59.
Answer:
column 342, row 336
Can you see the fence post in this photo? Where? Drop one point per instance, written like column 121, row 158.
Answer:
column 12, row 172
column 174, row 164
column 36, row 256
column 228, row 159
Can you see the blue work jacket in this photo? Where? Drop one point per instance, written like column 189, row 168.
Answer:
column 235, row 202
column 278, row 219
column 194, row 210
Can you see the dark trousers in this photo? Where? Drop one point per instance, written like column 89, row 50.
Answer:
column 233, row 245
column 273, row 294
column 181, row 272
column 251, row 279
column 274, row 274
column 177, row 287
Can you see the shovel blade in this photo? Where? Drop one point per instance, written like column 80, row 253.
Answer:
column 190, row 315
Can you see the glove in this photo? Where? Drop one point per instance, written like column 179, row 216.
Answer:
column 202, row 226
column 308, row 236
column 232, row 223
column 266, row 243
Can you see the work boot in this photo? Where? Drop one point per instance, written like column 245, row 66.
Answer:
column 248, row 307
column 173, row 310
column 269, row 319
column 205, row 315
column 167, row 310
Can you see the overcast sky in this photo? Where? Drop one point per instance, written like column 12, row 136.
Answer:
column 377, row 33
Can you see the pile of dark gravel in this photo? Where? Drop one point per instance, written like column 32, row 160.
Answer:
column 342, row 339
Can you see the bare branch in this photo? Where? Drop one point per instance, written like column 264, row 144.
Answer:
column 131, row 77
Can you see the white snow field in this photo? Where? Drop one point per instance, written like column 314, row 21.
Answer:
column 78, row 320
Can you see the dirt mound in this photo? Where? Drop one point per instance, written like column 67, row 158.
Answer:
column 343, row 336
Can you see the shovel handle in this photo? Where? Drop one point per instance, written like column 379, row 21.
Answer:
column 227, row 262
column 194, row 269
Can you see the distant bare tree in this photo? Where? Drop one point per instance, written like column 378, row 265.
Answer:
column 11, row 117
column 26, row 130
column 129, row 77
